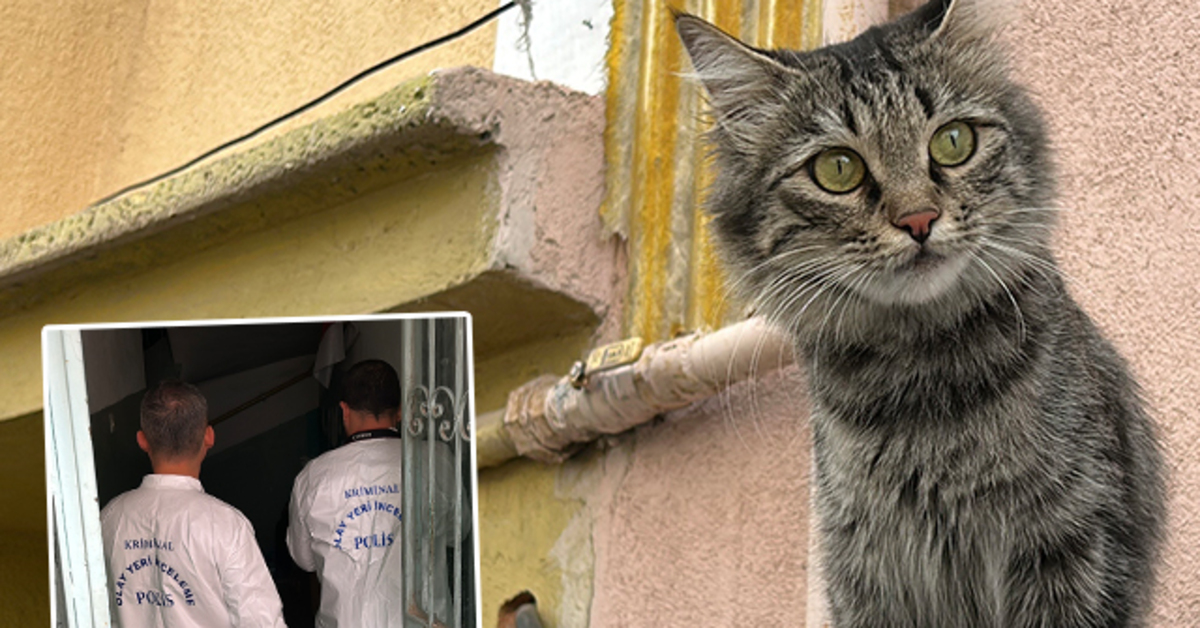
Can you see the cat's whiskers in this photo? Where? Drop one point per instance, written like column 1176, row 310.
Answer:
column 744, row 281
column 1043, row 263
column 1052, row 209
column 816, row 265
column 850, row 289
column 798, row 273
column 775, row 307
column 818, row 281
column 1004, row 285
column 829, row 282
column 755, row 403
column 833, row 308
column 824, row 270
column 790, row 274
column 1017, row 269
column 795, row 278
column 855, row 290
column 747, row 279
column 780, row 259
column 1000, row 219
column 739, row 289
column 1042, row 267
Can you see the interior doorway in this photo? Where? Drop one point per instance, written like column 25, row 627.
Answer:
column 273, row 389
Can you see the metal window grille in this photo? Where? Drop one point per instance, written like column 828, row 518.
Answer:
column 437, row 431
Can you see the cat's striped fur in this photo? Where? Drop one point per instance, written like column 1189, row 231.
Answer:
column 983, row 458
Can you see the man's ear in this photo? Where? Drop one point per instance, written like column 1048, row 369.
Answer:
column 345, row 415
column 210, row 437
column 142, row 442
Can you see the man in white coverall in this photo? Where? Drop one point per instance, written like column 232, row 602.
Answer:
column 176, row 556
column 345, row 517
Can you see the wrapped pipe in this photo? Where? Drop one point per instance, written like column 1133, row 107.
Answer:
column 549, row 418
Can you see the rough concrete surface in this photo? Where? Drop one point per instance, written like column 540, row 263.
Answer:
column 702, row 520
column 541, row 142
column 550, row 165
column 1120, row 83
column 552, row 183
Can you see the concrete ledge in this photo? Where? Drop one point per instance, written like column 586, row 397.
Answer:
column 413, row 128
column 459, row 190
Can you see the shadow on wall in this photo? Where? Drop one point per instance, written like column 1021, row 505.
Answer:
column 24, row 574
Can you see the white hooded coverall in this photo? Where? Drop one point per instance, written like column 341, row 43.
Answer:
column 179, row 558
column 345, row 524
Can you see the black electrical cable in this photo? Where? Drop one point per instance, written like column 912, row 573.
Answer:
column 312, row 103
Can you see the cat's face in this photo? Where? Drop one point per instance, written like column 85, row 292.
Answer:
column 902, row 168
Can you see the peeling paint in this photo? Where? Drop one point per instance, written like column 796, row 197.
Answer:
column 657, row 166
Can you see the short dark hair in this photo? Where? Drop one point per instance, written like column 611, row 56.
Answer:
column 174, row 416
column 372, row 386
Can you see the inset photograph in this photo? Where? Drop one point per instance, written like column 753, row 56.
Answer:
column 298, row 472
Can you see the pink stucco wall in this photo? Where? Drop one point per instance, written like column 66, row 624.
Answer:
column 706, row 521
column 704, row 516
column 1120, row 82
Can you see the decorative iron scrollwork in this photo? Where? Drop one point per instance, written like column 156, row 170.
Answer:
column 463, row 419
column 416, row 426
column 428, row 407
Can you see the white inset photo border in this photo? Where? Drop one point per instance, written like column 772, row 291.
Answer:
column 272, row 386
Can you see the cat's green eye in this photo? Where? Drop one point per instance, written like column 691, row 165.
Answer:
column 838, row 170
column 953, row 144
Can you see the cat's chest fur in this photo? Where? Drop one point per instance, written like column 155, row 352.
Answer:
column 939, row 456
column 912, row 434
column 911, row 522
column 901, row 504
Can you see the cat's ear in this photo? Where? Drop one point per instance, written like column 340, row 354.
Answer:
column 742, row 83
column 970, row 20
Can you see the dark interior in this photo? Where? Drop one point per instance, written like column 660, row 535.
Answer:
column 270, row 417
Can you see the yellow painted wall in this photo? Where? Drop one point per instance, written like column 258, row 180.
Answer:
column 99, row 94
column 22, row 478
column 371, row 254
column 521, row 520
column 24, row 583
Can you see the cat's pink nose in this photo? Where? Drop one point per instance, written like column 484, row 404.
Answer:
column 917, row 224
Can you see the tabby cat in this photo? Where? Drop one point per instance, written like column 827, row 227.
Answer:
column 982, row 455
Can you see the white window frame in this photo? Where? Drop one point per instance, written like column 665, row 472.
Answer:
column 73, row 511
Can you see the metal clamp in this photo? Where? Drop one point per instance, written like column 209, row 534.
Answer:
column 604, row 358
